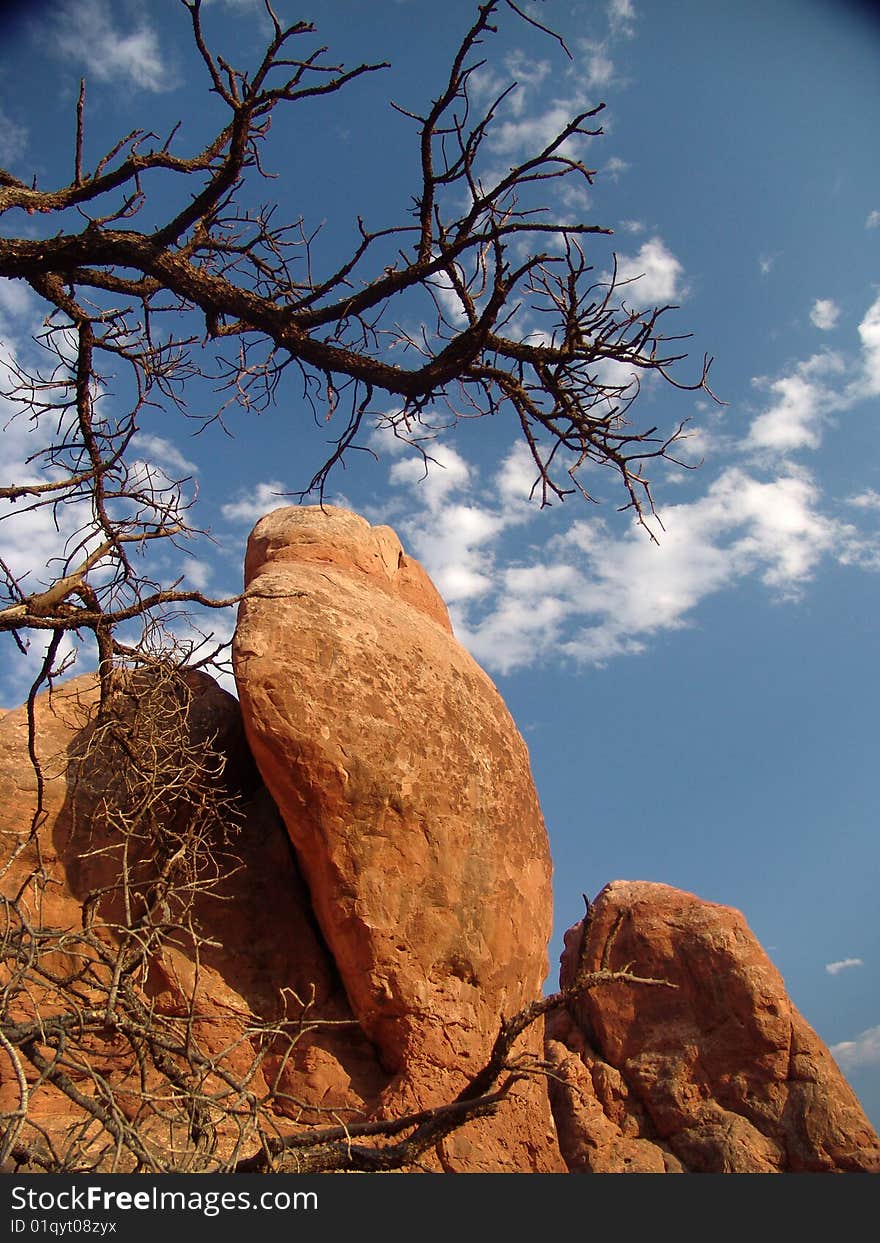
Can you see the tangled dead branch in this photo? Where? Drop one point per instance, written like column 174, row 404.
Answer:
column 476, row 301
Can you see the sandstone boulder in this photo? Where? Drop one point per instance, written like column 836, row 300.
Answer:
column 720, row 1074
column 407, row 792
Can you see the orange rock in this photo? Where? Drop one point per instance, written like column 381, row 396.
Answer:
column 407, row 792
column 445, row 917
column 720, row 1073
column 260, row 948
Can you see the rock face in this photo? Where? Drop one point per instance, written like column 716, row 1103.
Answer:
column 720, row 1074
column 407, row 792
column 357, row 950
column 260, row 946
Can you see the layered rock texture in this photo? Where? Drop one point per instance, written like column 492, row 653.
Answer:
column 717, row 1074
column 388, row 901
column 407, row 792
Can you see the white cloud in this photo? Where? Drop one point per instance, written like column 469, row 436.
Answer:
column 165, row 453
column 544, row 104
column 13, row 139
column 452, row 547
column 869, row 499
column 390, row 436
column 527, row 73
column 515, row 477
column 843, row 964
column 873, row 220
column 522, row 627
column 825, row 313
column 654, row 271
column 812, row 393
column 591, row 592
column 535, row 132
column 450, row 303
column 448, row 536
column 198, row 573
column 575, row 197
column 434, row 479
column 621, row 17
column 863, row 1051
column 150, row 476
column 199, row 633
column 598, row 66
column 21, row 318
column 534, row 121
column 252, row 505
column 613, row 168
column 868, row 383
column 693, row 447
column 17, row 299
column 794, row 419
column 29, row 538
column 599, row 589
column 20, row 669
column 453, row 537
column 34, row 542
column 784, row 533
column 741, row 527
column 87, row 32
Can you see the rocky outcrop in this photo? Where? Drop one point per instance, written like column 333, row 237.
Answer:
column 717, row 1074
column 259, row 949
column 348, row 959
column 407, row 792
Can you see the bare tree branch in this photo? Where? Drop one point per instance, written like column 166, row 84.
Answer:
column 522, row 322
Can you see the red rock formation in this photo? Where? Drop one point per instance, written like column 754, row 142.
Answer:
column 407, row 792
column 720, row 1074
column 260, row 947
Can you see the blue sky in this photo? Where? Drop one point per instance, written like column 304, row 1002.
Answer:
column 701, row 711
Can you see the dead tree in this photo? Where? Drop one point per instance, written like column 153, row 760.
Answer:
column 219, row 289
